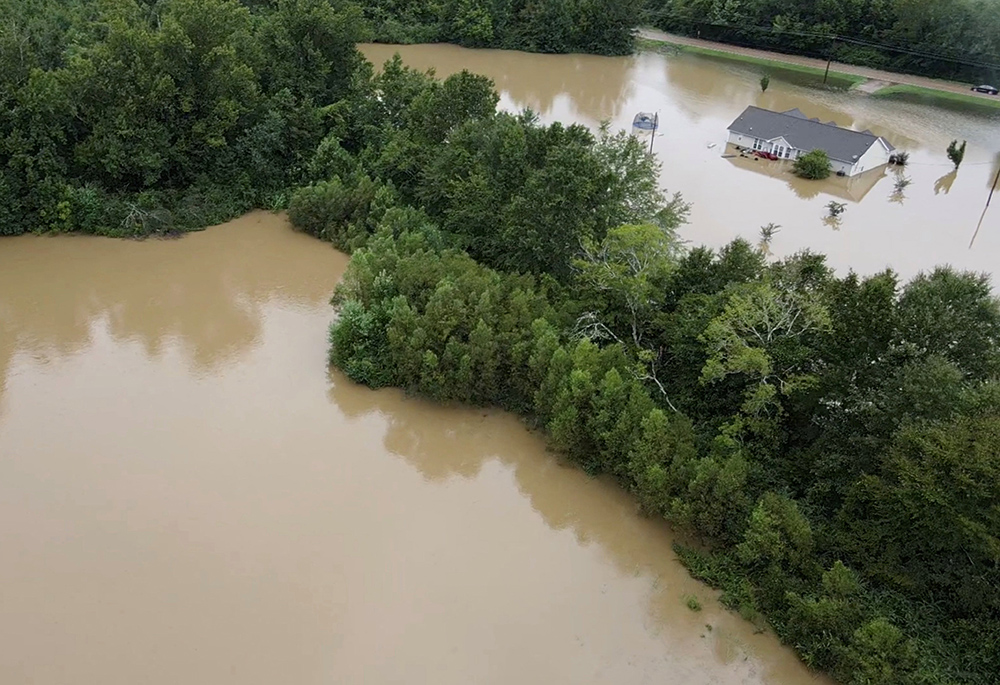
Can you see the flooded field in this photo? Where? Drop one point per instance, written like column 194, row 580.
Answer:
column 931, row 222
column 188, row 496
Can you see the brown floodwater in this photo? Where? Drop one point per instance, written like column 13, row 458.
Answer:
column 189, row 495
column 931, row 222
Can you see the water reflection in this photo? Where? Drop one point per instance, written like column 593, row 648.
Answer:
column 696, row 88
column 257, row 521
column 833, row 222
column 444, row 443
column 943, row 184
column 595, row 87
column 596, row 94
column 852, row 188
column 204, row 291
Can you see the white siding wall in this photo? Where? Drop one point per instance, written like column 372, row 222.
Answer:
column 742, row 141
column 747, row 142
column 841, row 166
column 876, row 156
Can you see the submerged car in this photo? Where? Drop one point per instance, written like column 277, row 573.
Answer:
column 989, row 90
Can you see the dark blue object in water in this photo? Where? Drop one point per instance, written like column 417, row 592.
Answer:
column 646, row 121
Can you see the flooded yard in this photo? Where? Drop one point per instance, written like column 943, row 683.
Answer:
column 931, row 222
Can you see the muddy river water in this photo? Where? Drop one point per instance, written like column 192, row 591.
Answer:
column 187, row 495
column 932, row 222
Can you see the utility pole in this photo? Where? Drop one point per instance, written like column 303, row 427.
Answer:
column 656, row 126
column 983, row 216
column 995, row 179
column 829, row 58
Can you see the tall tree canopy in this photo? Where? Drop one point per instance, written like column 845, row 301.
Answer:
column 957, row 39
column 595, row 26
column 127, row 116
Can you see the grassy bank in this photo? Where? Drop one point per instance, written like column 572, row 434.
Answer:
column 782, row 70
column 941, row 98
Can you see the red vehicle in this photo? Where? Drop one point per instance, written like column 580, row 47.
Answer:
column 765, row 155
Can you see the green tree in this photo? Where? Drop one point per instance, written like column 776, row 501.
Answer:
column 954, row 315
column 764, row 334
column 344, row 213
column 956, row 152
column 594, row 26
column 622, row 278
column 931, row 526
column 948, row 39
column 307, row 47
column 778, row 539
column 813, row 165
column 659, row 459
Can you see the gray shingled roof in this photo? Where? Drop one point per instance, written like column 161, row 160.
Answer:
column 803, row 133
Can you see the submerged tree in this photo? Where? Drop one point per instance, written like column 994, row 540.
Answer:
column 835, row 208
column 766, row 235
column 956, row 152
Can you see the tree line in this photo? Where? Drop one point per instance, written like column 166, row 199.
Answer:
column 956, row 39
column 134, row 117
column 833, row 440
column 602, row 27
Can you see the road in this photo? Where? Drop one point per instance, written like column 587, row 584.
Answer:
column 876, row 78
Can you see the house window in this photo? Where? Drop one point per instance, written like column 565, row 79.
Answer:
column 758, row 144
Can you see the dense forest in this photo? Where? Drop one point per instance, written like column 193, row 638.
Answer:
column 603, row 27
column 831, row 443
column 131, row 117
column 958, row 39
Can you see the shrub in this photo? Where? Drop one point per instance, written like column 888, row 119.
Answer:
column 344, row 212
column 813, row 165
column 835, row 208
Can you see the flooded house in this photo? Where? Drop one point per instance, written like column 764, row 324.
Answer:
column 787, row 135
